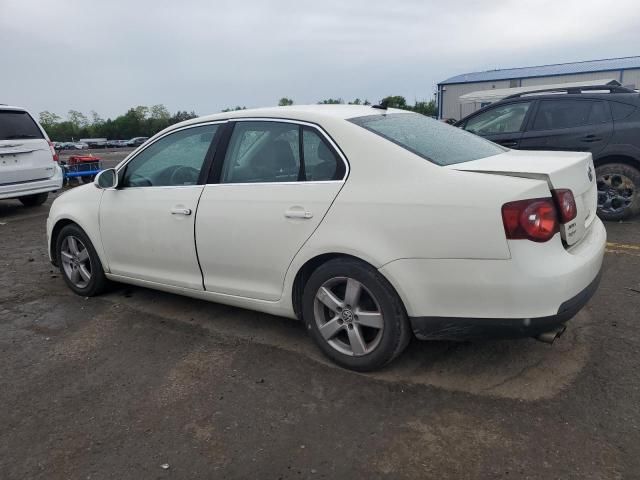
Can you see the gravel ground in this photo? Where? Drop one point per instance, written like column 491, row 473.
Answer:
column 120, row 385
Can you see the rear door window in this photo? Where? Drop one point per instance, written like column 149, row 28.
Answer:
column 17, row 125
column 273, row 152
column 558, row 114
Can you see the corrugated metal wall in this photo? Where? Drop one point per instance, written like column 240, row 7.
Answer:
column 452, row 108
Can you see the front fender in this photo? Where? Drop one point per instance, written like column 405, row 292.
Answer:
column 81, row 206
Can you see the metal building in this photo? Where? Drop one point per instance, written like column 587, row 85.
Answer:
column 463, row 94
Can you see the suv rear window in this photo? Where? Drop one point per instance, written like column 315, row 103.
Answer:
column 435, row 141
column 16, row 125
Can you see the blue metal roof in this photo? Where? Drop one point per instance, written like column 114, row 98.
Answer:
column 610, row 64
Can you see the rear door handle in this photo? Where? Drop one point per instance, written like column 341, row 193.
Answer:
column 298, row 214
column 180, row 211
column 509, row 143
column 590, row 138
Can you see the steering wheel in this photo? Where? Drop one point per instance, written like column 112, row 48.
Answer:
column 183, row 175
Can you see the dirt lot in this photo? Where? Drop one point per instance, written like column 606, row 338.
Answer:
column 116, row 386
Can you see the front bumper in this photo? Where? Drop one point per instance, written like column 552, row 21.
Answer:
column 15, row 190
column 449, row 328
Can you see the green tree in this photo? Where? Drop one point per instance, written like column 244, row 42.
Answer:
column 159, row 112
column 237, row 107
column 48, row 119
column 141, row 112
column 284, row 101
column 331, row 101
column 78, row 119
column 395, row 101
column 426, row 108
column 180, row 116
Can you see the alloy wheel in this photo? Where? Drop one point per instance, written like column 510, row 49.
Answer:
column 615, row 192
column 348, row 316
column 76, row 261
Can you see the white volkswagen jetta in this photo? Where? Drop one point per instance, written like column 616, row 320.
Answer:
column 368, row 224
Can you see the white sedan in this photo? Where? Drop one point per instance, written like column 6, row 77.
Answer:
column 370, row 225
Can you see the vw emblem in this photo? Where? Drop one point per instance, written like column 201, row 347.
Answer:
column 347, row 316
column 590, row 174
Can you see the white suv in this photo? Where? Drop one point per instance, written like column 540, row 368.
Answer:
column 28, row 161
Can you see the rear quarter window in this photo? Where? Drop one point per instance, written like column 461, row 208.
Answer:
column 17, row 125
column 621, row 110
column 431, row 139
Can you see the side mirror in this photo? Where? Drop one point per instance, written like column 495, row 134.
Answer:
column 107, row 178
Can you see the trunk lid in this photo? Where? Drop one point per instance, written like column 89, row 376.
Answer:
column 25, row 154
column 571, row 170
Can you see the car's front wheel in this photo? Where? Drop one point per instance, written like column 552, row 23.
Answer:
column 618, row 191
column 354, row 315
column 79, row 262
column 34, row 200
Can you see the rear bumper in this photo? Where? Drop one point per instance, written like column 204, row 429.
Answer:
column 540, row 281
column 15, row 190
column 449, row 328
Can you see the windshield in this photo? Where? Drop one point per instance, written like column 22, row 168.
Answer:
column 435, row 141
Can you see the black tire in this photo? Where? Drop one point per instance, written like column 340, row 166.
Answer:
column 606, row 175
column 34, row 200
column 97, row 282
column 396, row 332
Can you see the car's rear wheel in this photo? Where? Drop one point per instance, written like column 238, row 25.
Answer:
column 354, row 315
column 34, row 200
column 618, row 191
column 79, row 263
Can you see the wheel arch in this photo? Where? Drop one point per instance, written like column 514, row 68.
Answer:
column 617, row 158
column 55, row 231
column 307, row 269
column 59, row 224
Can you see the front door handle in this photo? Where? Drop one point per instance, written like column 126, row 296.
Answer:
column 509, row 143
column 180, row 211
column 298, row 213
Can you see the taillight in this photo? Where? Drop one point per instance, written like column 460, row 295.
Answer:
column 534, row 219
column 566, row 204
column 53, row 151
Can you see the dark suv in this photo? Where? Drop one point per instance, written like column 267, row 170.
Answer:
column 603, row 120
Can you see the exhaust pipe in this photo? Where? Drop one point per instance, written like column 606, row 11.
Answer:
column 550, row 337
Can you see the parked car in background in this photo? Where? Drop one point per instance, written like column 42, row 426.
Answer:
column 366, row 223
column 604, row 121
column 116, row 143
column 136, row 141
column 28, row 161
column 95, row 142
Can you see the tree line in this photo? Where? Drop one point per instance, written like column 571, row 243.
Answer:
column 143, row 121
column 140, row 121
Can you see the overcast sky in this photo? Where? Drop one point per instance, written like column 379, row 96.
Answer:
column 205, row 55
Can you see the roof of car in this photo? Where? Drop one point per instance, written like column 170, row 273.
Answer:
column 310, row 113
column 10, row 107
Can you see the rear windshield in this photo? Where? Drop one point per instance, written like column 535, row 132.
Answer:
column 16, row 125
column 435, row 141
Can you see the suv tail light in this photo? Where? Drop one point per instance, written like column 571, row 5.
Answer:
column 533, row 219
column 566, row 204
column 53, row 151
